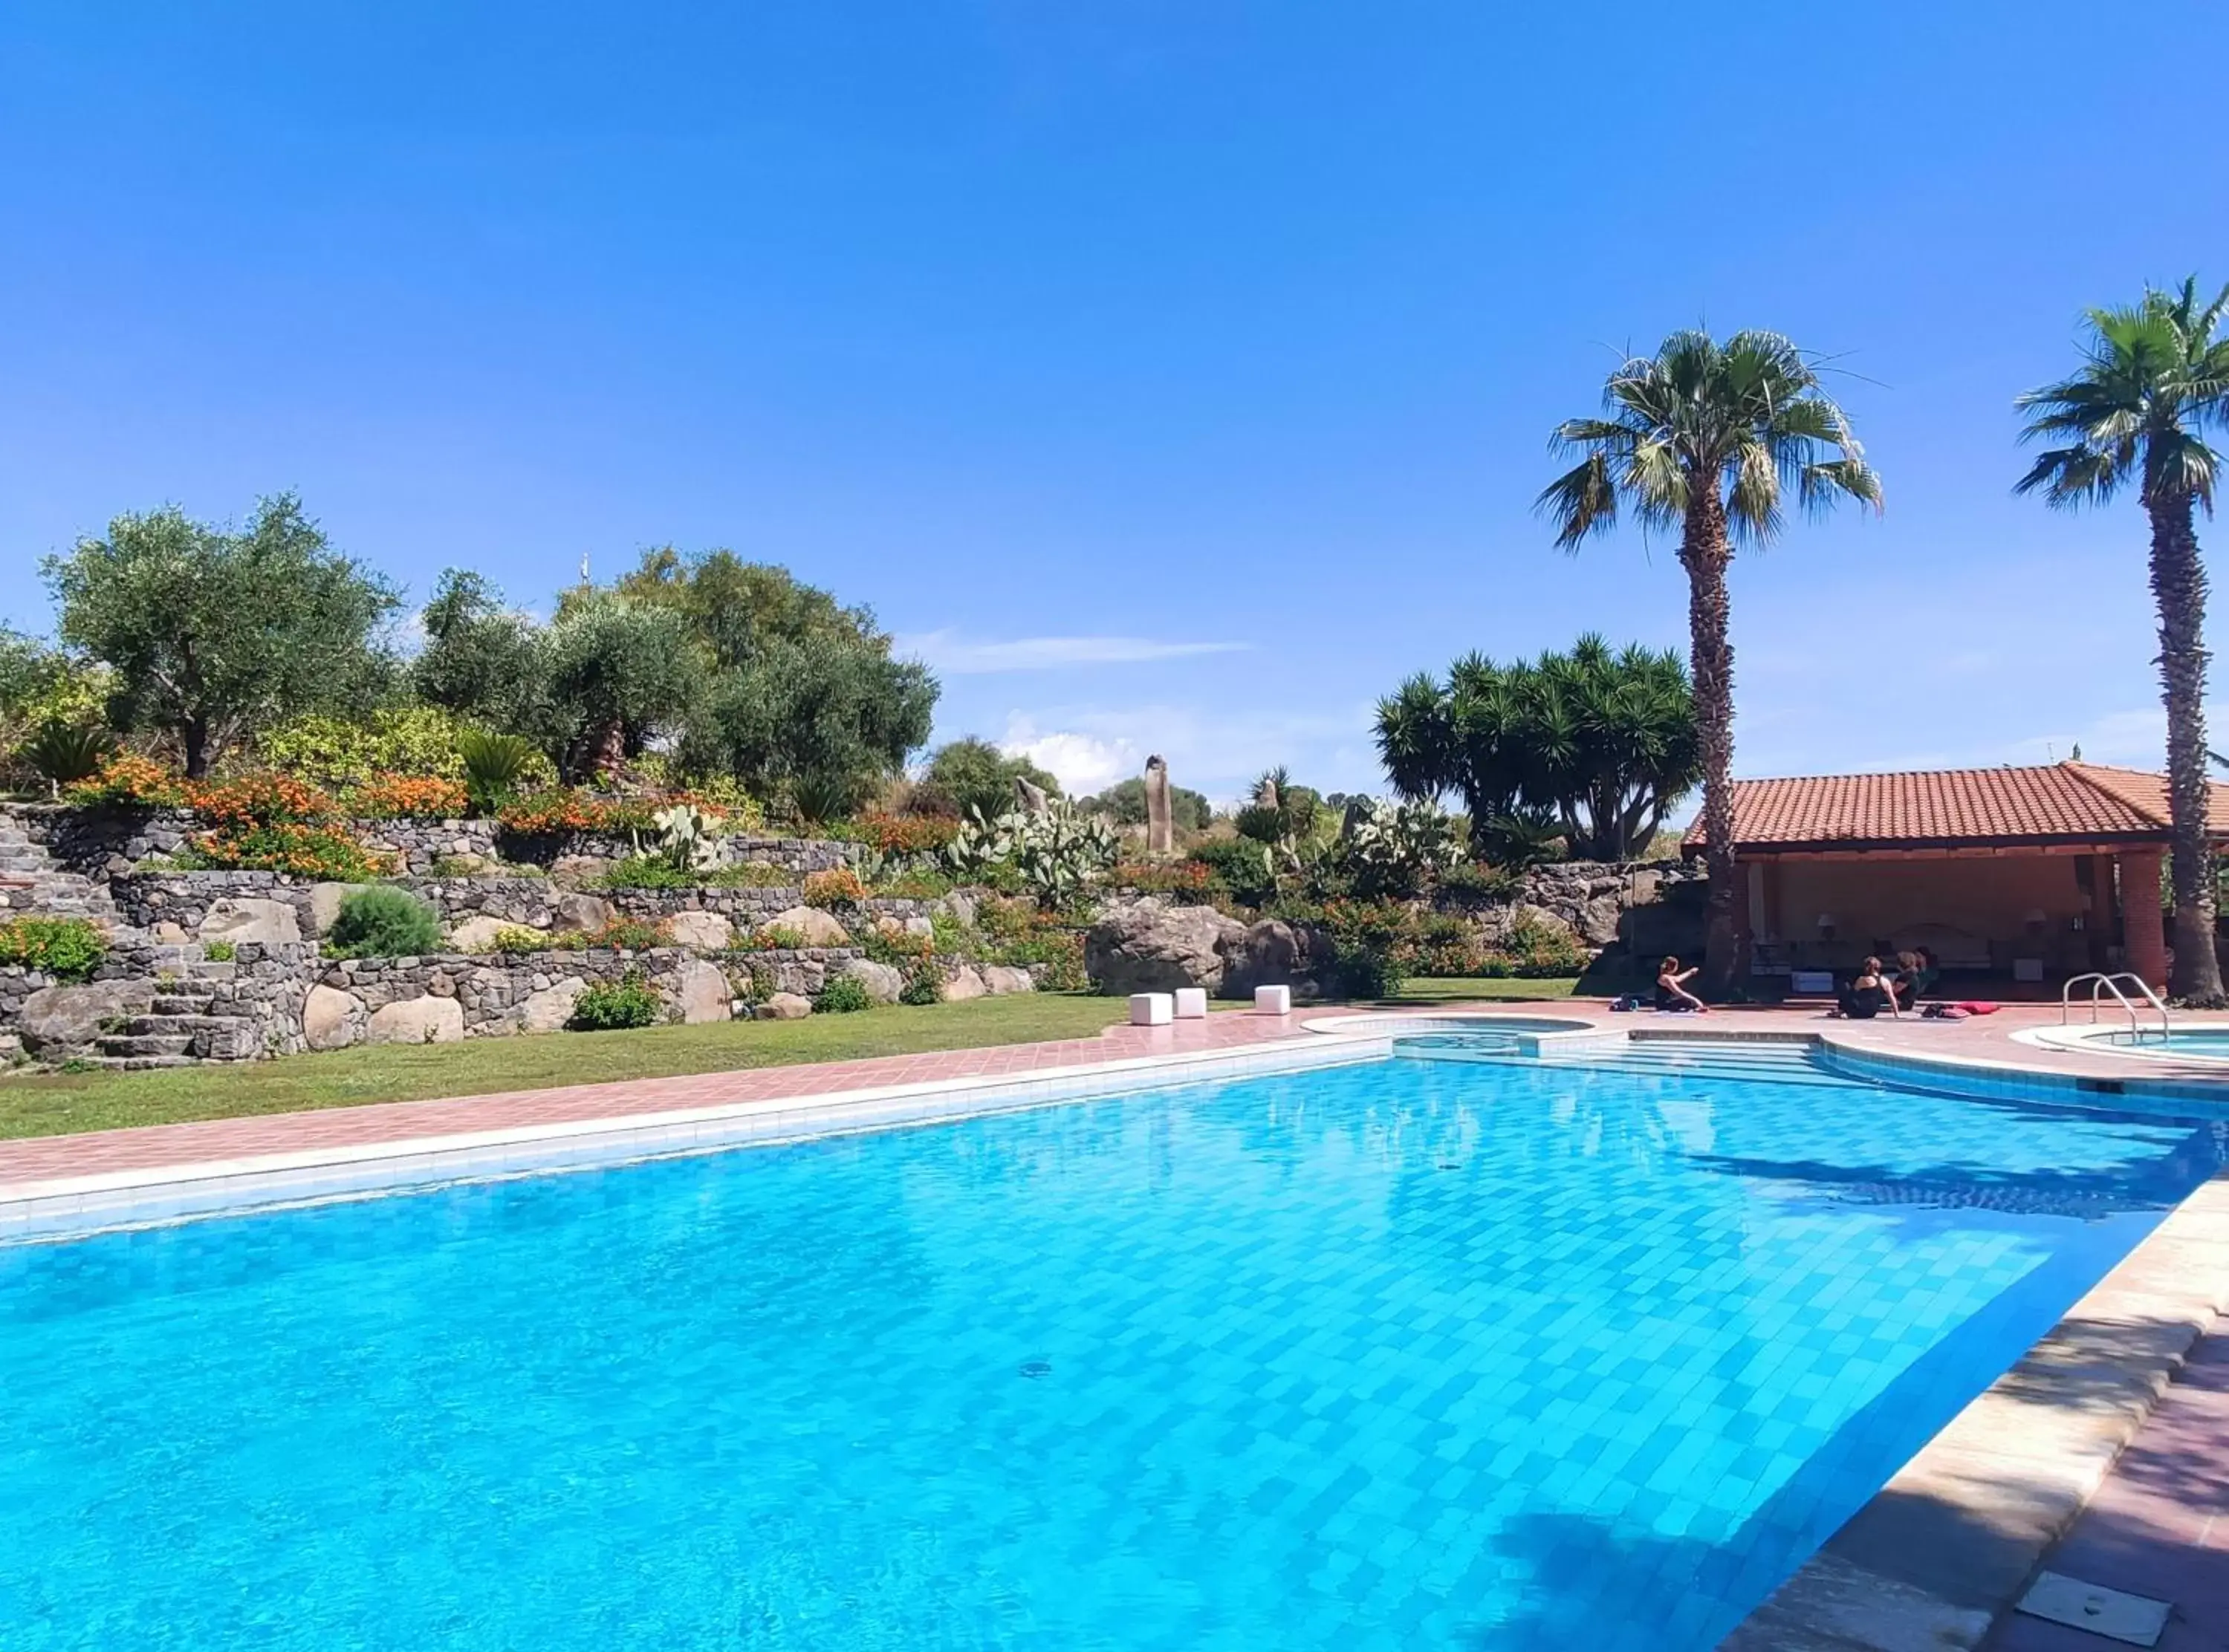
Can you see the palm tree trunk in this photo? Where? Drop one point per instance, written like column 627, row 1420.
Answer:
column 1703, row 552
column 2178, row 587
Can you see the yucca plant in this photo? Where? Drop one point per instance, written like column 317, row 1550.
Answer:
column 494, row 766
column 65, row 753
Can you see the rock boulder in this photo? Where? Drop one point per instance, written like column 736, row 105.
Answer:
column 817, row 926
column 240, row 918
column 56, row 1020
column 1269, row 953
column 1000, row 979
column 963, row 984
column 1150, row 947
column 785, row 1006
column 705, row 930
column 331, row 1019
column 884, row 983
column 478, row 934
column 325, row 904
column 579, row 914
column 416, row 1021
column 547, row 1010
column 701, row 994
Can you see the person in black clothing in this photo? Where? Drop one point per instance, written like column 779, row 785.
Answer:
column 1867, row 994
column 1671, row 993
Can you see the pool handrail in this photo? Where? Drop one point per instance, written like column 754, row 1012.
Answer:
column 2108, row 980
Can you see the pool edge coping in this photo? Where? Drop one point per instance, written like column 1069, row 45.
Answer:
column 59, row 1208
column 1944, row 1550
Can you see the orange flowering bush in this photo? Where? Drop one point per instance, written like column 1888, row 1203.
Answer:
column 905, row 834
column 263, row 799
column 561, row 809
column 409, row 797
column 293, row 847
column 128, row 779
column 838, row 887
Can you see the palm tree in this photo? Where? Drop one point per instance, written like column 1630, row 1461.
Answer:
column 1709, row 439
column 2154, row 377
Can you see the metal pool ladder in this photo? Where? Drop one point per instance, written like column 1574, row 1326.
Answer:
column 2103, row 982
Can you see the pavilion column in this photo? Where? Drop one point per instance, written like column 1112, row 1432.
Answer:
column 2144, row 935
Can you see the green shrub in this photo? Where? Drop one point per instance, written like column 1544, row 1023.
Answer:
column 924, row 985
column 518, row 939
column 844, row 994
column 1239, row 866
column 65, row 753
column 496, row 766
column 383, row 924
column 69, row 949
column 344, row 751
column 610, row 1006
column 218, row 951
column 1474, row 880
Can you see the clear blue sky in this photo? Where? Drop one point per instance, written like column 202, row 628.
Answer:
column 1173, row 376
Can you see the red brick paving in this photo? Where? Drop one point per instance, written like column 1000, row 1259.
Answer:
column 46, row 1157
column 2159, row 1524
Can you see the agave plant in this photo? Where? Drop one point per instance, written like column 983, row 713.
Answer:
column 494, row 765
column 65, row 753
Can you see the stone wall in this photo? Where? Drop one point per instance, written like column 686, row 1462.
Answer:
column 150, row 1004
column 439, row 999
column 184, row 899
column 110, row 843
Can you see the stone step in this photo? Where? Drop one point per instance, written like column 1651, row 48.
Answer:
column 136, row 1063
column 189, row 1025
column 182, row 1004
column 213, row 969
column 130, row 1044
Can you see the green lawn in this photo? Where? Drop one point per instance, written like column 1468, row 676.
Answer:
column 59, row 1103
column 1499, row 989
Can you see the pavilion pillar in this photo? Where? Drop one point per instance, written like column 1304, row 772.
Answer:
column 2144, row 935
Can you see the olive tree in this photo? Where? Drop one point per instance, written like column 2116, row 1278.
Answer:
column 214, row 634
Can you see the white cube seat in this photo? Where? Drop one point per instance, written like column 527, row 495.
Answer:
column 1273, row 1000
column 1151, row 1008
column 1192, row 1003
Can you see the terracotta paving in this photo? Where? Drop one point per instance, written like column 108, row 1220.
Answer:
column 42, row 1158
column 2158, row 1526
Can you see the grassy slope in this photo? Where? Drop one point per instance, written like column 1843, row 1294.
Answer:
column 65, row 1102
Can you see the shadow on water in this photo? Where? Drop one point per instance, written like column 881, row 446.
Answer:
column 1617, row 1585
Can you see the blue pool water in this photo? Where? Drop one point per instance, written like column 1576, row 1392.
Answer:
column 2209, row 1042
column 1416, row 1353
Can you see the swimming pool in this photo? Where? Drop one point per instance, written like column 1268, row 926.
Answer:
column 1409, row 1353
column 2204, row 1043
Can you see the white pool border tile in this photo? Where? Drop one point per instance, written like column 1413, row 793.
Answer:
column 76, row 1206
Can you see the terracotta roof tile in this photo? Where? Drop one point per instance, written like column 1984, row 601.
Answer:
column 1952, row 806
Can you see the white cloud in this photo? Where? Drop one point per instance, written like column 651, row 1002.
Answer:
column 1217, row 751
column 1082, row 762
column 949, row 652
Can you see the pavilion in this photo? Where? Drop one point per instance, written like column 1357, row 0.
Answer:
column 2036, row 873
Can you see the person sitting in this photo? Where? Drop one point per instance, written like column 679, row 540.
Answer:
column 1867, row 994
column 1672, row 994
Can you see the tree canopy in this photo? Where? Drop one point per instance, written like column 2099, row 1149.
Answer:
column 971, row 773
column 214, row 635
column 1125, row 803
column 2153, row 379
column 1601, row 742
